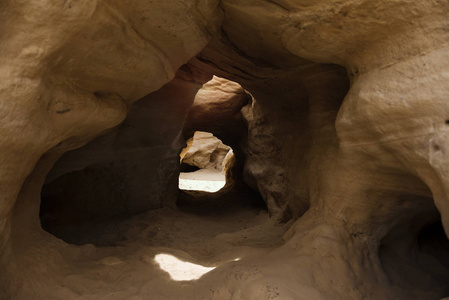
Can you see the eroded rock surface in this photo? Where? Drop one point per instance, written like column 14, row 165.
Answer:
column 205, row 151
column 344, row 137
column 129, row 170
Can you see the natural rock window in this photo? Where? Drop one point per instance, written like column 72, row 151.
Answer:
column 204, row 163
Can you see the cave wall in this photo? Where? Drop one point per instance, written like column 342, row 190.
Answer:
column 129, row 170
column 291, row 123
column 66, row 80
column 353, row 169
column 359, row 172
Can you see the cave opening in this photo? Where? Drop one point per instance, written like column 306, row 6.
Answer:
column 204, row 162
column 130, row 183
column 414, row 253
column 123, row 189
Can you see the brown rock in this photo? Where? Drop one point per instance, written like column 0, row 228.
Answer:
column 337, row 113
column 205, row 151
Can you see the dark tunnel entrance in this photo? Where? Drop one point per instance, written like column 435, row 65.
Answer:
column 135, row 169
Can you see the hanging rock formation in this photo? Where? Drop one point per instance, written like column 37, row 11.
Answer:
column 205, row 151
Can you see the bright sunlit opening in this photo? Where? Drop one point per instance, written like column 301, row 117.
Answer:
column 188, row 181
column 204, row 163
column 180, row 270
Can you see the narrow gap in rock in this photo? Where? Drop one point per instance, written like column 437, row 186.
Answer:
column 204, row 163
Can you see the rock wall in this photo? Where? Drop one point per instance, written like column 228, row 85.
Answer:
column 354, row 154
column 129, row 170
column 205, row 151
column 360, row 172
column 67, row 80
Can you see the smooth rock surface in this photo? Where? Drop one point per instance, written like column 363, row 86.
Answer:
column 339, row 120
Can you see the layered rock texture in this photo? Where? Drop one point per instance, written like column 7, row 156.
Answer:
column 337, row 113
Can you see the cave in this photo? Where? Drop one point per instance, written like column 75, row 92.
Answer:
column 336, row 113
column 91, row 192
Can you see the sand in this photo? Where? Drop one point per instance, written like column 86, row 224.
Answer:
column 208, row 180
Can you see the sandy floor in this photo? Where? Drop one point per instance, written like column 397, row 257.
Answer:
column 207, row 180
column 161, row 254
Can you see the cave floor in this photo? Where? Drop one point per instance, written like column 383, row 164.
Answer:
column 124, row 259
column 208, row 180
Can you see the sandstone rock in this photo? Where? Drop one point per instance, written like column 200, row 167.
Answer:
column 216, row 109
column 205, row 151
column 129, row 170
column 343, row 133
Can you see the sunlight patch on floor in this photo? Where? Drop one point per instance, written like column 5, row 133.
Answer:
column 180, row 270
column 201, row 185
column 202, row 180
